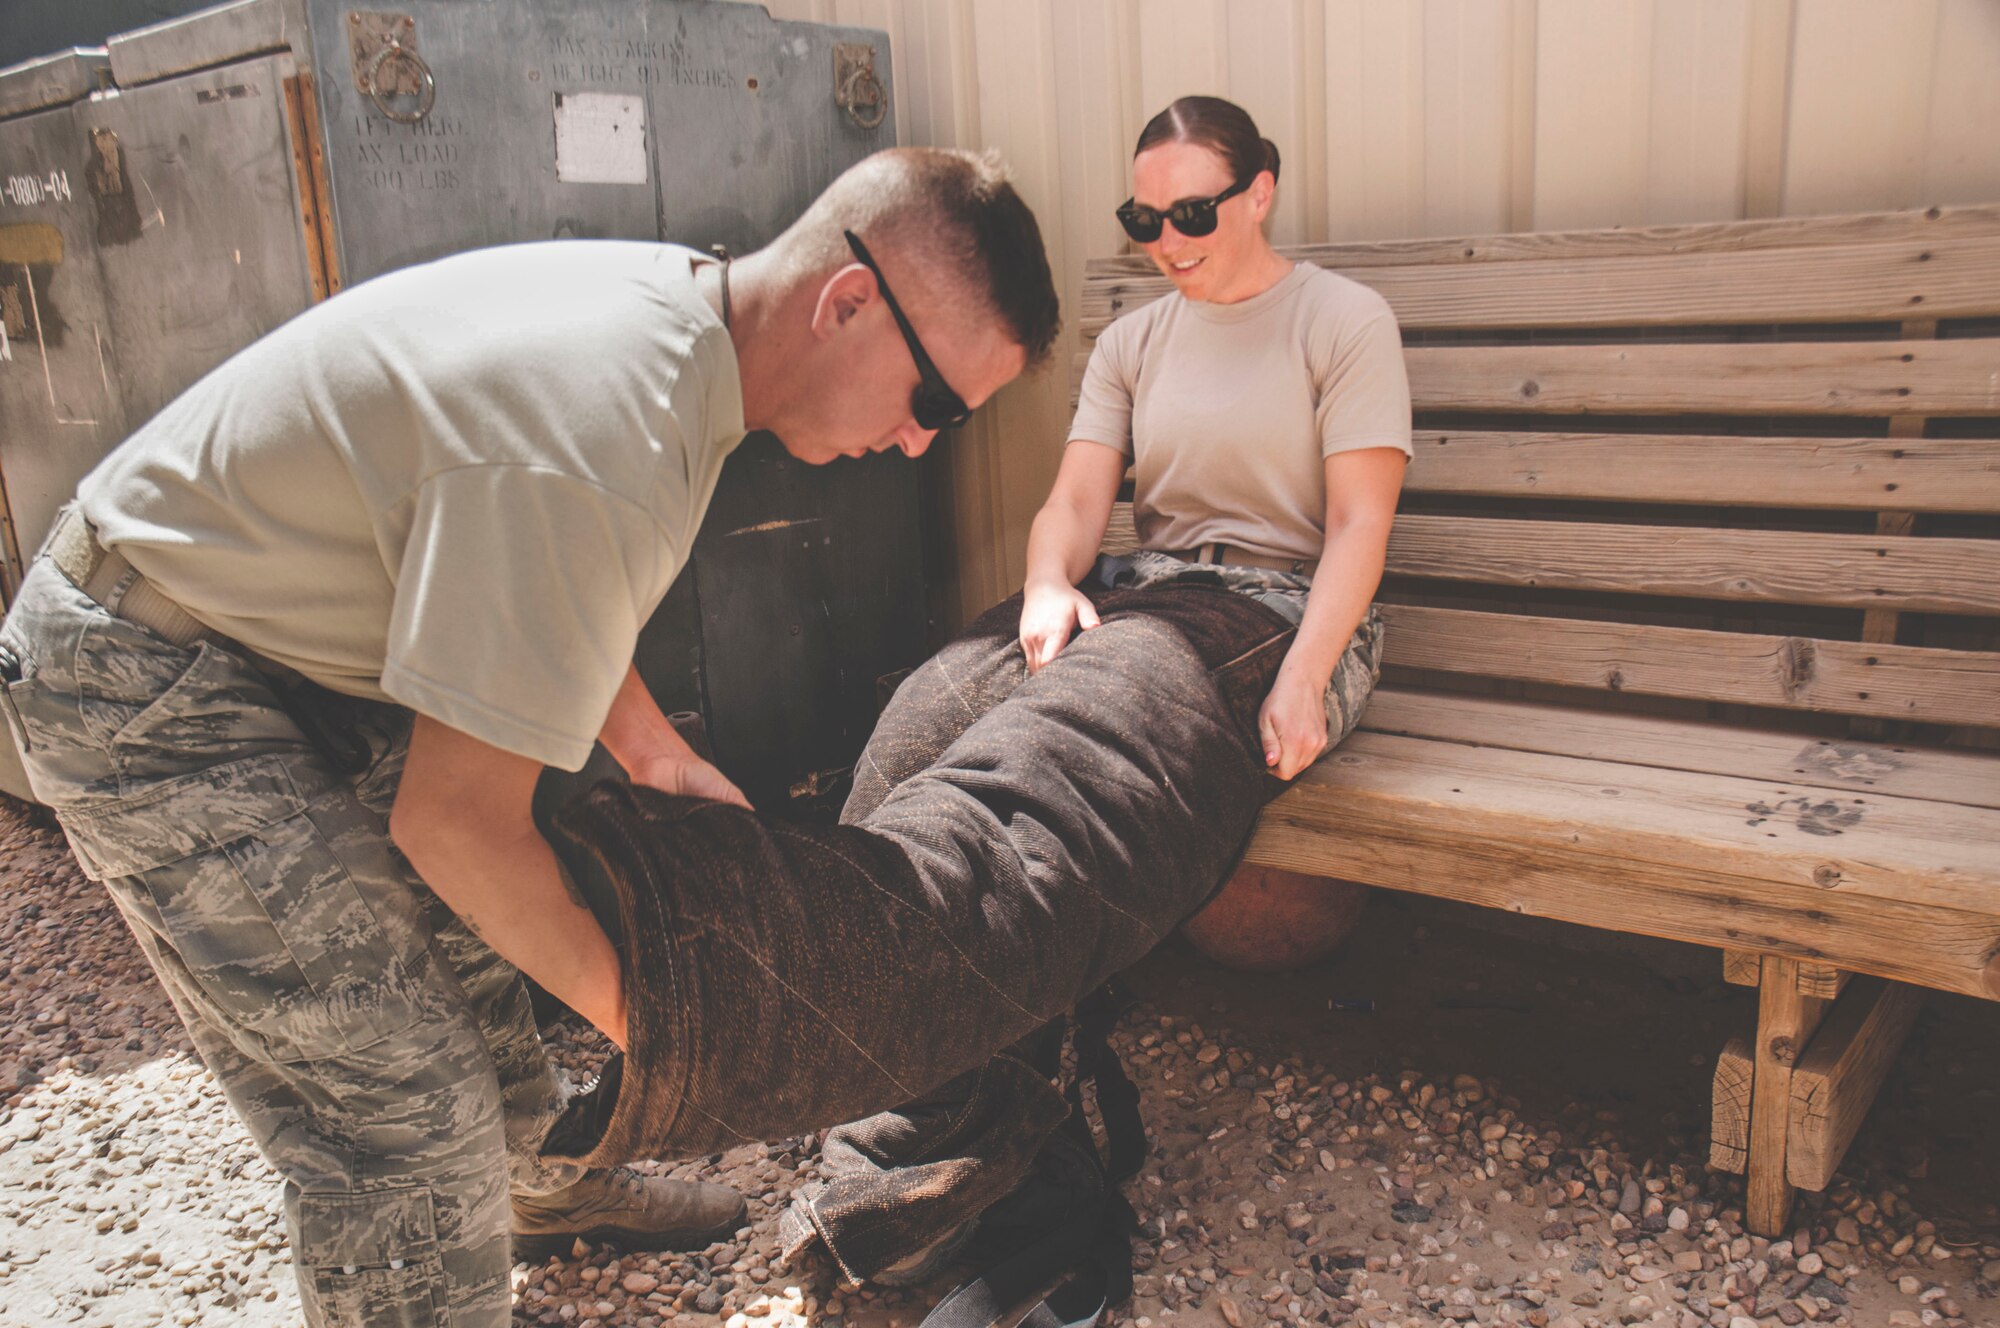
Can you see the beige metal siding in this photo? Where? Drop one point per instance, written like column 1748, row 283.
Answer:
column 1432, row 117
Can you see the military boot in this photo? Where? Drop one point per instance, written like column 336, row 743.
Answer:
column 621, row 1207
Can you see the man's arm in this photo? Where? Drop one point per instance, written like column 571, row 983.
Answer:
column 462, row 817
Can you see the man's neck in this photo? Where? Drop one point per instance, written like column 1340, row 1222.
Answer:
column 767, row 361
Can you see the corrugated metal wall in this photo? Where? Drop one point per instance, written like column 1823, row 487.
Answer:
column 1432, row 117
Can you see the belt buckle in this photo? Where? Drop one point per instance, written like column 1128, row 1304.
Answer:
column 73, row 547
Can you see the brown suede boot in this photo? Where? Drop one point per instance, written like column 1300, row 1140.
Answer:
column 621, row 1207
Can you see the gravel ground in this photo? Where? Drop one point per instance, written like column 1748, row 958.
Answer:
column 1299, row 1172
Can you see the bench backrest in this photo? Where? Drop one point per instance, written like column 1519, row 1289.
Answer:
column 1744, row 465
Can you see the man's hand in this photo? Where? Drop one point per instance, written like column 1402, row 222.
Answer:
column 1048, row 615
column 688, row 778
column 642, row 740
column 1293, row 724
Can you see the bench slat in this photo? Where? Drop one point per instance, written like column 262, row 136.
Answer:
column 1831, row 841
column 1837, row 284
column 1791, row 567
column 1908, row 891
column 1935, row 224
column 1936, row 774
column 1791, row 673
column 1957, row 377
column 1912, row 474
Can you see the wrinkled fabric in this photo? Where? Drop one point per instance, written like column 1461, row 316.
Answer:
column 384, row 1058
column 999, row 862
column 911, row 1174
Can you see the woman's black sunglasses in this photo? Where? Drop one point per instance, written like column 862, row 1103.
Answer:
column 933, row 403
column 1192, row 217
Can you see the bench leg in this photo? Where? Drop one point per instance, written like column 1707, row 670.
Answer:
column 1786, row 1020
column 1729, row 1115
column 1836, row 1081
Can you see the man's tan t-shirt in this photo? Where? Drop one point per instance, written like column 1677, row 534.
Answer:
column 463, row 486
column 1229, row 409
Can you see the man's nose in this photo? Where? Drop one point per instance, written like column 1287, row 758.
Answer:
column 1170, row 240
column 912, row 440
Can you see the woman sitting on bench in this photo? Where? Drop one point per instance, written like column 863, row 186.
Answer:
column 1265, row 413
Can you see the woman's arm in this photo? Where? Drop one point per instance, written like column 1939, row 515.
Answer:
column 1361, row 489
column 1062, row 543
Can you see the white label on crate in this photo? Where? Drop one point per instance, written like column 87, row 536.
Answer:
column 30, row 190
column 600, row 138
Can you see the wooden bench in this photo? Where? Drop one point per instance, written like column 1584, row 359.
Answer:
column 1692, row 623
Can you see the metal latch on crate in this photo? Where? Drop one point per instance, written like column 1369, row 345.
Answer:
column 857, row 88
column 388, row 69
column 815, row 783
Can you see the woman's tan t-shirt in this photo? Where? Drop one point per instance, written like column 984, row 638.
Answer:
column 1228, row 409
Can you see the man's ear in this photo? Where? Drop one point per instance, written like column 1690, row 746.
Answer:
column 845, row 294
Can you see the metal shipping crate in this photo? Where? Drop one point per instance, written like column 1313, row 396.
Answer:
column 168, row 200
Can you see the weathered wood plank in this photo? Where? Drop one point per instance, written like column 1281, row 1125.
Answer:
column 1937, row 224
column 1742, row 968
column 1471, row 847
column 1930, row 773
column 1822, row 980
column 1955, row 377
column 1789, row 567
column 1786, row 1021
column 1841, row 283
column 1792, row 673
column 1837, row 1079
column 1916, row 474
column 1729, row 1097
column 1826, row 842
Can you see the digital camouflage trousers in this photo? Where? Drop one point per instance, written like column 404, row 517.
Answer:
column 384, row 1059
column 1355, row 674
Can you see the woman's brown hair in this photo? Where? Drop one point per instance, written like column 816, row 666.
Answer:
column 1222, row 127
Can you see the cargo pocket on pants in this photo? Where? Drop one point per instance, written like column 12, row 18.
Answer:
column 372, row 1259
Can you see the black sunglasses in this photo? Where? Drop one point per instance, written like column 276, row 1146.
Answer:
column 1192, row 217
column 933, row 403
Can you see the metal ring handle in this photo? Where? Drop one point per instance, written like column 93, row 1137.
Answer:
column 878, row 98
column 426, row 98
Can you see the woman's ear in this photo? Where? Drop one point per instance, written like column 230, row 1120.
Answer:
column 1263, row 190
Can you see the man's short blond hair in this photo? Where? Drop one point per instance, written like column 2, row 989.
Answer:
column 951, row 220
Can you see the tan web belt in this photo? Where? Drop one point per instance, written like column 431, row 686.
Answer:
column 107, row 577
column 1230, row 555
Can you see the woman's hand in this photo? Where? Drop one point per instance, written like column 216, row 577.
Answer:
column 1293, row 724
column 1048, row 615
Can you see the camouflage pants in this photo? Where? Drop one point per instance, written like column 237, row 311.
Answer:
column 1354, row 674
column 384, row 1059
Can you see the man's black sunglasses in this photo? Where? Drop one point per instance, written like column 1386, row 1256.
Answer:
column 933, row 403
column 1192, row 217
